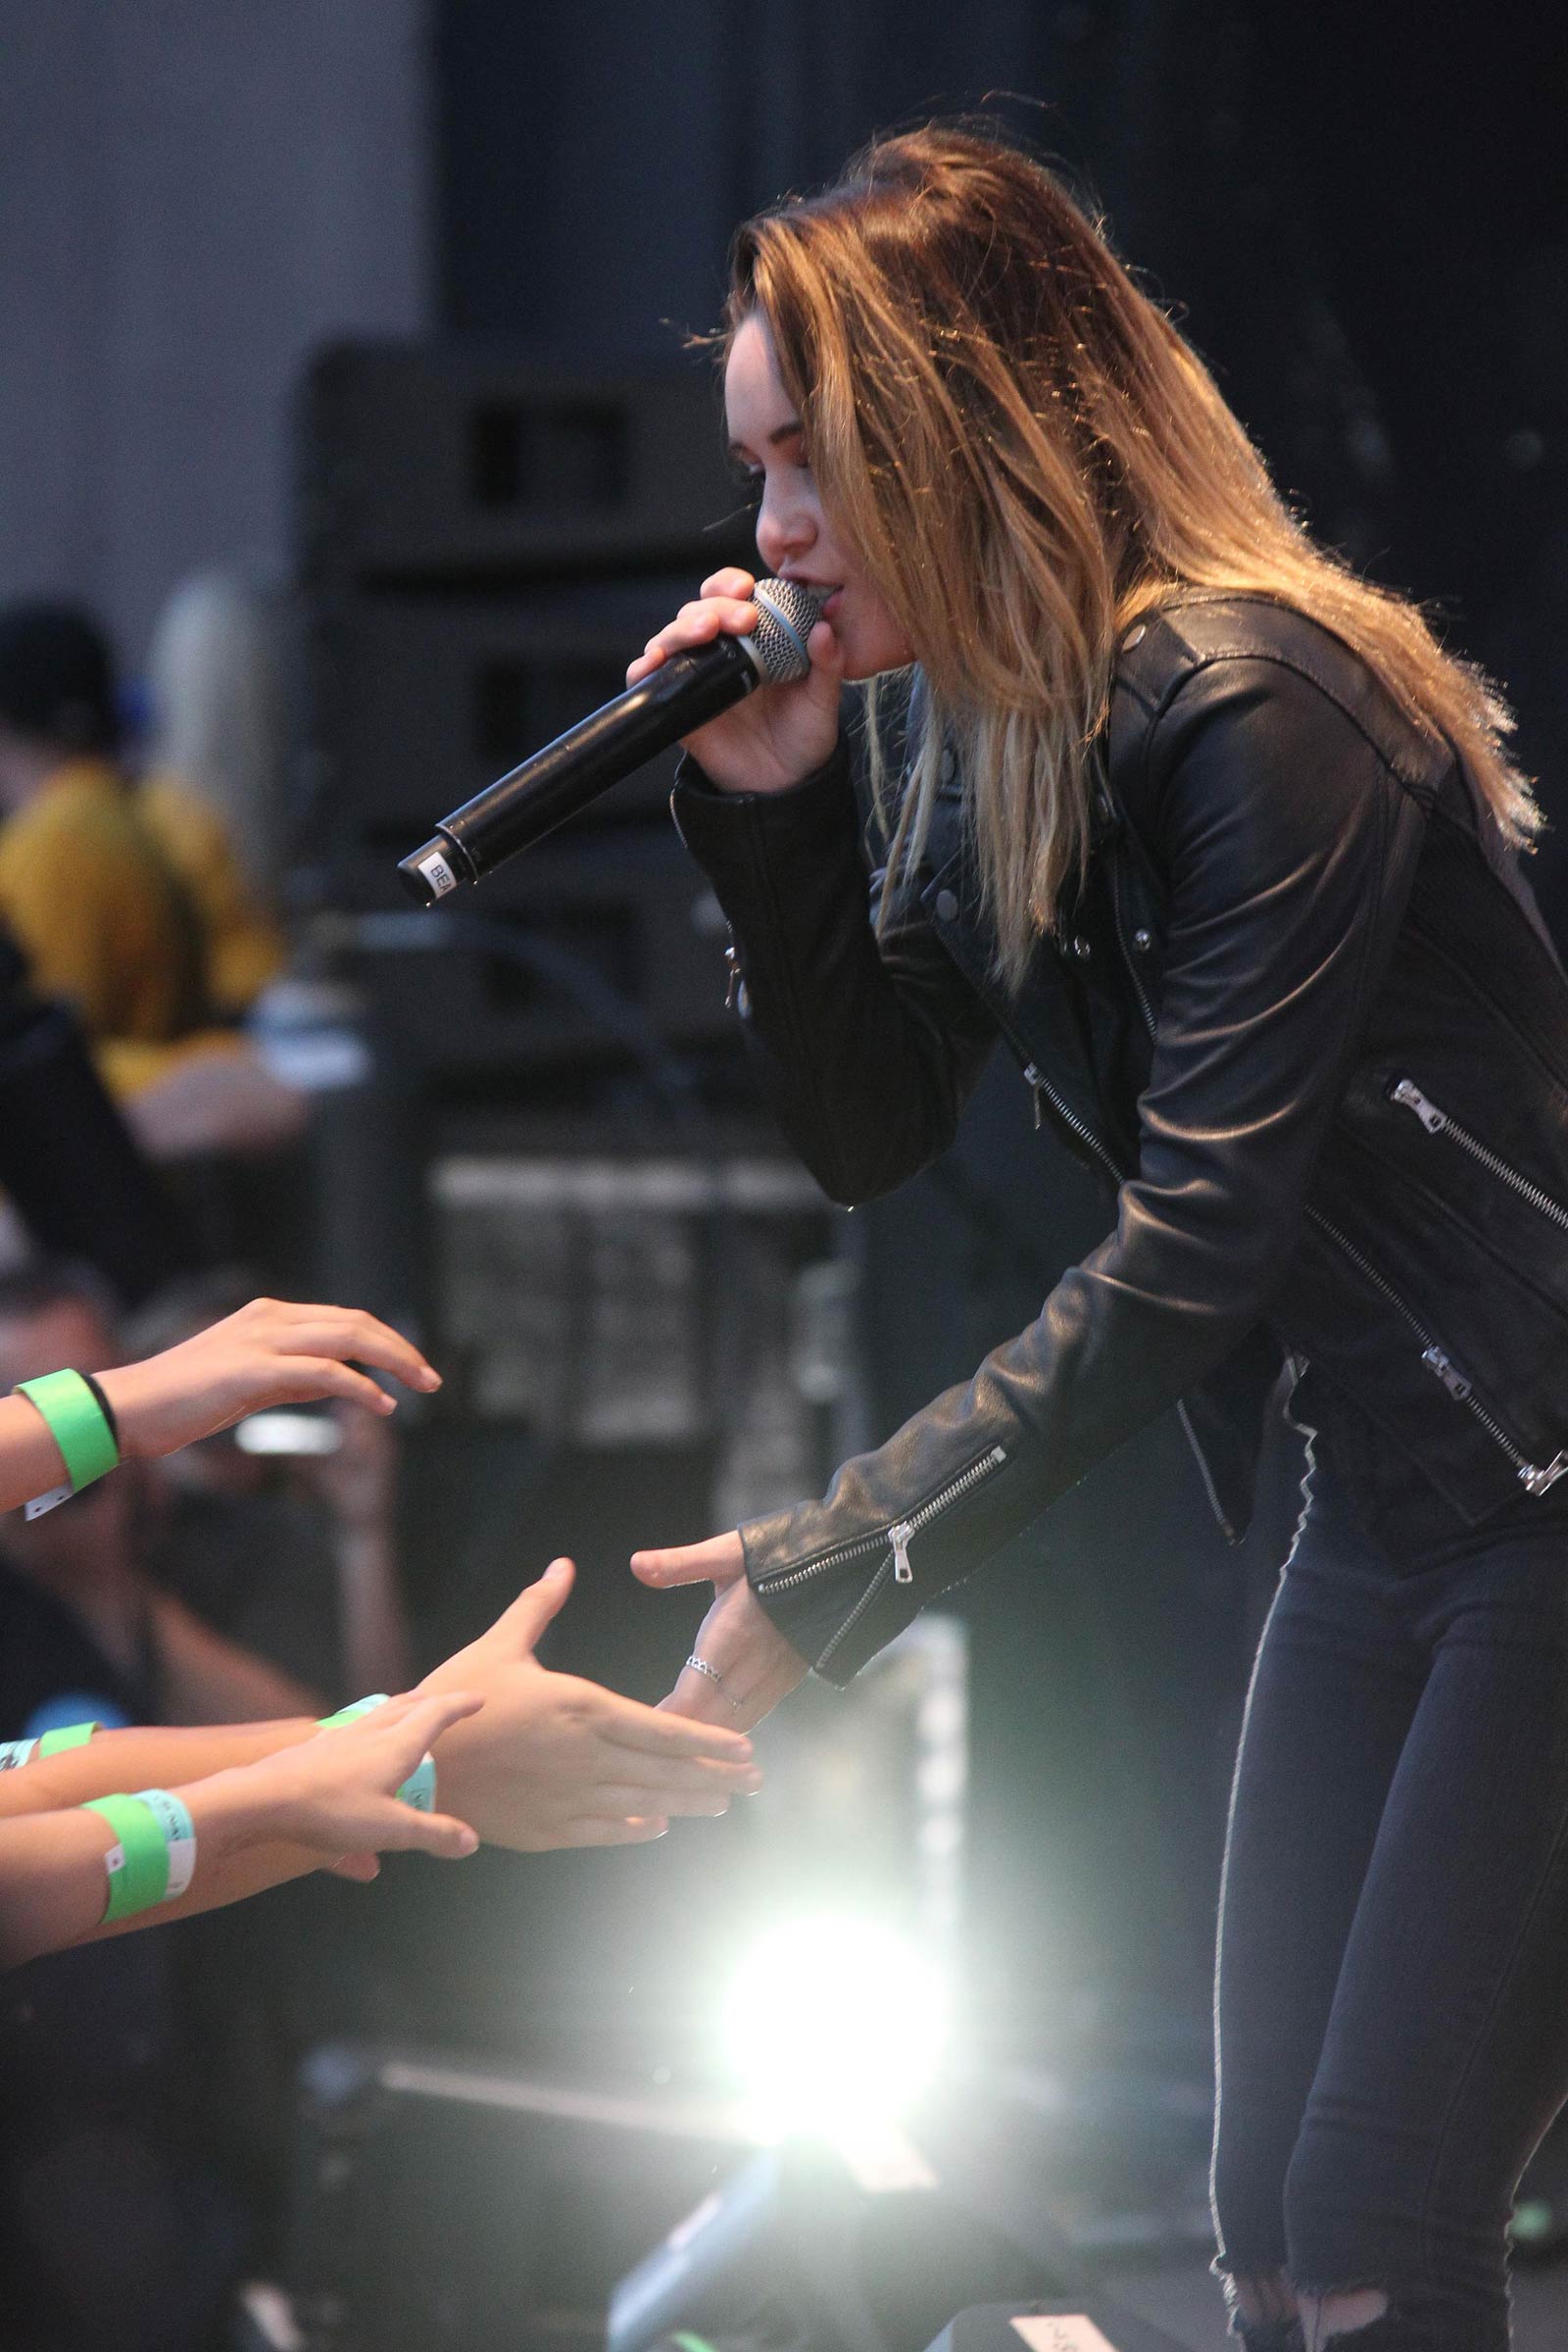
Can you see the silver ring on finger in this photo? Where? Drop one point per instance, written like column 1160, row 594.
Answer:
column 701, row 1666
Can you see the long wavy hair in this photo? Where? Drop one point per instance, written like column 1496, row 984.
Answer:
column 1027, row 456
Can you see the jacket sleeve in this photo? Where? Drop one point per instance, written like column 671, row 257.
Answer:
column 1290, row 849
column 868, row 1046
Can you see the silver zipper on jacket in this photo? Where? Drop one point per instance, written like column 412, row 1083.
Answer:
column 1535, row 1477
column 855, row 1615
column 1041, row 1087
column 1404, row 1091
column 902, row 1535
column 894, row 1541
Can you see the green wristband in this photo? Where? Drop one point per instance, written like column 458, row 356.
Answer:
column 137, row 1862
column 69, row 1734
column 351, row 1714
column 418, row 1790
column 78, row 1423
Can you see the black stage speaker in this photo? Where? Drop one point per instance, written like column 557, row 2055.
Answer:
column 1090, row 2325
column 810, row 2248
column 483, row 542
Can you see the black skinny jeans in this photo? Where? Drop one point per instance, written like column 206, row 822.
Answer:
column 1393, row 1985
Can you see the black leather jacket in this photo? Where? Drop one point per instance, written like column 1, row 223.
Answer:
column 1303, row 1016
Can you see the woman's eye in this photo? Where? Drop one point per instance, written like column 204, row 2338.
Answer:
column 749, row 485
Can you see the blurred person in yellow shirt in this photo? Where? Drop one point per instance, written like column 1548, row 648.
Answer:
column 102, row 911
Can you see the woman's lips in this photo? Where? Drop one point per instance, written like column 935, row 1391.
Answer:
column 830, row 604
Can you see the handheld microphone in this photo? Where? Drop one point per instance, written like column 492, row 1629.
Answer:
column 683, row 693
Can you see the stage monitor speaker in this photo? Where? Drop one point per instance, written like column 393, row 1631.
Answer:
column 416, row 703
column 450, row 464
column 1090, row 2324
column 813, row 2248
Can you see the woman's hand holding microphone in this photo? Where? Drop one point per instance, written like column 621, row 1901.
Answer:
column 776, row 737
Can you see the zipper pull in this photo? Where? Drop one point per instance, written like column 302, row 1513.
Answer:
column 1453, row 1379
column 1431, row 1117
column 1035, row 1084
column 1537, row 1480
column 732, row 962
column 899, row 1538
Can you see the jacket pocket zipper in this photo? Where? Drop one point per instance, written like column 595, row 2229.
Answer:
column 1405, row 1092
column 1039, row 1087
column 1535, row 1477
column 1042, row 1090
column 894, row 1541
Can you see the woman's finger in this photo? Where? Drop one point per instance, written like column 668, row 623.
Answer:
column 699, row 623
column 719, row 1559
column 732, row 581
column 699, row 1696
column 723, row 612
column 826, row 654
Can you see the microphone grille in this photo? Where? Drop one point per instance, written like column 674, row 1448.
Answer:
column 787, row 613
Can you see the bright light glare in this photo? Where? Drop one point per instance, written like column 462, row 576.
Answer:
column 287, row 1433
column 833, row 2022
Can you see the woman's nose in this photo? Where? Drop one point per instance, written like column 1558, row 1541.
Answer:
column 783, row 530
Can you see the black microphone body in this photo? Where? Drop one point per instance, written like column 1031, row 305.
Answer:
column 683, row 693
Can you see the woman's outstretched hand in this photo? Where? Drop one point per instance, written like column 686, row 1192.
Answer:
column 738, row 1640
column 268, row 1354
column 552, row 1760
column 777, row 736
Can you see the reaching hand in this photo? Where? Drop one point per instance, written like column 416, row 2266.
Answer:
column 336, row 1793
column 754, row 1665
column 554, row 1760
column 268, row 1354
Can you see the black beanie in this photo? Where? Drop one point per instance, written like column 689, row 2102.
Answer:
column 57, row 677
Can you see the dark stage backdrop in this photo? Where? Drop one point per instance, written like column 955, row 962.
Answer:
column 1362, row 216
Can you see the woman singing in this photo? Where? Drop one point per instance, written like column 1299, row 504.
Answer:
column 1221, row 844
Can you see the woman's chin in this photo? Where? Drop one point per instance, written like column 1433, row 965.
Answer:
column 862, row 661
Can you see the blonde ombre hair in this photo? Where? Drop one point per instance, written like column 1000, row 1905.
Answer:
column 1026, row 456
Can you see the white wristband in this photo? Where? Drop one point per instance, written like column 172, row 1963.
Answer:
column 179, row 1836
